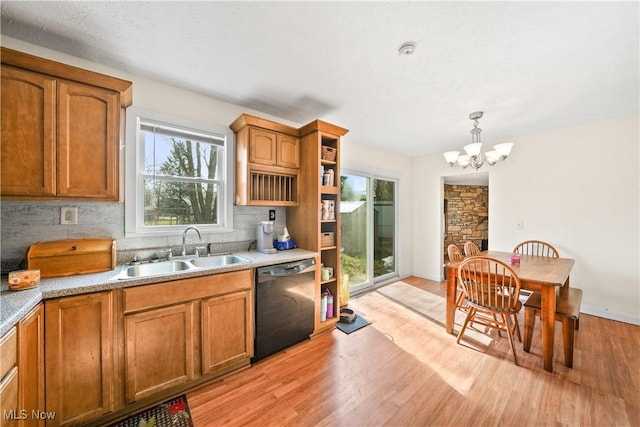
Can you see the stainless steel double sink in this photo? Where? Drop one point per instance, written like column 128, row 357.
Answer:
column 181, row 265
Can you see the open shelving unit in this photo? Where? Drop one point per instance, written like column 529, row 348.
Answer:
column 315, row 222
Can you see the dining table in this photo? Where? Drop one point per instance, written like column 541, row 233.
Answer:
column 546, row 275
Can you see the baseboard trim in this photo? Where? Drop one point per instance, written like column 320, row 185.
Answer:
column 611, row 315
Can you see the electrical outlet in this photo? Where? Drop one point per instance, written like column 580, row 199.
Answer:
column 68, row 216
column 272, row 214
column 519, row 225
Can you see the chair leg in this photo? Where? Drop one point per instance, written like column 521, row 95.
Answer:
column 495, row 317
column 568, row 327
column 529, row 325
column 460, row 299
column 470, row 314
column 507, row 320
column 517, row 326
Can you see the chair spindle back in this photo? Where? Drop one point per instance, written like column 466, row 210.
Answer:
column 490, row 284
column 471, row 249
column 536, row 247
column 455, row 254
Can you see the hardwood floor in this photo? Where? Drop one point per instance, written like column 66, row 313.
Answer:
column 405, row 370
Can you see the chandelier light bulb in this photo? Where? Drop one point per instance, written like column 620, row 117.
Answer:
column 503, row 149
column 492, row 157
column 451, row 157
column 473, row 149
column 464, row 160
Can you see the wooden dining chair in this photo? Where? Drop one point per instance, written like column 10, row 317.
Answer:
column 455, row 254
column 471, row 249
column 492, row 290
column 567, row 311
column 536, row 247
column 568, row 303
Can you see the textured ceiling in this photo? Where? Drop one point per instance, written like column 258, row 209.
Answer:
column 530, row 66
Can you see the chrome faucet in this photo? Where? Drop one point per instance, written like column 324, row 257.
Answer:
column 184, row 238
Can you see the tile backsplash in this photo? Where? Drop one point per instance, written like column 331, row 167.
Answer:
column 25, row 223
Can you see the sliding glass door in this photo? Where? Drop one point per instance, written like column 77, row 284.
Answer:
column 368, row 217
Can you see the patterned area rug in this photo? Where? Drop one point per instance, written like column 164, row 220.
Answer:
column 172, row 413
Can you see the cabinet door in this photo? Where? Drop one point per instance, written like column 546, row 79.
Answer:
column 159, row 350
column 262, row 147
column 88, row 127
column 227, row 331
column 28, row 133
column 10, row 410
column 31, row 366
column 79, row 357
column 288, row 150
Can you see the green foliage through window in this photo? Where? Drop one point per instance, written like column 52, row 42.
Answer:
column 182, row 175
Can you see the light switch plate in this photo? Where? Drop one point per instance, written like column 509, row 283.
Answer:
column 68, row 215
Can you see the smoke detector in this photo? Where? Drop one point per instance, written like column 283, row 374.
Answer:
column 407, row 49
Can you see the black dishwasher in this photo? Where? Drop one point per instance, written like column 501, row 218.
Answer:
column 284, row 306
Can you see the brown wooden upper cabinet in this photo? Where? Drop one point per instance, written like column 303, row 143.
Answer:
column 273, row 149
column 267, row 162
column 60, row 130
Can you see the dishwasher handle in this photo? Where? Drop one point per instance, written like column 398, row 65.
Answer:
column 288, row 269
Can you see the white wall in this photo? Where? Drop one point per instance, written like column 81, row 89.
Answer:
column 577, row 188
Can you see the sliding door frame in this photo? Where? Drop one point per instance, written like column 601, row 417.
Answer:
column 372, row 281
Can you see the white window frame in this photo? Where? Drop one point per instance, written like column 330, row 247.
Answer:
column 134, row 174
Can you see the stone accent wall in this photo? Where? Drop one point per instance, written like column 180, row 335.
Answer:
column 466, row 215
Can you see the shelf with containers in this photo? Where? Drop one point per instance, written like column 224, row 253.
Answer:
column 315, row 222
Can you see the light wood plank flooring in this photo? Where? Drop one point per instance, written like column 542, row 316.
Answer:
column 405, row 370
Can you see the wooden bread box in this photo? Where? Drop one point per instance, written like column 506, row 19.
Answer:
column 70, row 257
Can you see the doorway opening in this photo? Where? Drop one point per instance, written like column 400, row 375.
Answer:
column 465, row 216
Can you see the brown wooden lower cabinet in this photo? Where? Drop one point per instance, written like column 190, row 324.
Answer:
column 159, row 350
column 109, row 352
column 80, row 374
column 227, row 331
column 22, row 373
column 180, row 331
column 31, row 369
column 9, row 403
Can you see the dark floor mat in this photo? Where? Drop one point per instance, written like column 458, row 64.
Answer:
column 359, row 323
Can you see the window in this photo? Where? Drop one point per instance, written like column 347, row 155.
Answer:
column 181, row 176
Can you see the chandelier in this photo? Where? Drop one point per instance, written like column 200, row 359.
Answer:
column 474, row 157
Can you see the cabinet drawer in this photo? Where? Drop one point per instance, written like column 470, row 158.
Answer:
column 8, row 352
column 176, row 291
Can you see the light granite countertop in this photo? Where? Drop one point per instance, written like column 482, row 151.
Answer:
column 14, row 305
